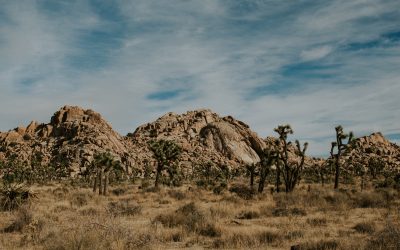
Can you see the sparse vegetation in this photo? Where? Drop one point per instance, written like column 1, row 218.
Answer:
column 290, row 170
column 341, row 146
column 167, row 153
column 211, row 206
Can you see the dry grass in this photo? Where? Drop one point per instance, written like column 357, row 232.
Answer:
column 131, row 217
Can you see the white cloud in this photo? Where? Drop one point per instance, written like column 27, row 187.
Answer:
column 315, row 53
column 217, row 52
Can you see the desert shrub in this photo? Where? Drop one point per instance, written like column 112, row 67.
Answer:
column 145, row 184
column 80, row 199
column 388, row 238
column 277, row 212
column 60, row 192
column 89, row 211
column 286, row 199
column 248, row 240
column 208, row 175
column 176, row 194
column 370, row 200
column 210, row 230
column 365, row 227
column 190, row 218
column 219, row 189
column 151, row 189
column 313, row 198
column 124, row 208
column 163, row 201
column 118, row 191
column 337, row 199
column 316, row 222
column 292, row 235
column 13, row 196
column 23, row 218
column 242, row 191
column 248, row 215
column 268, row 237
column 319, row 245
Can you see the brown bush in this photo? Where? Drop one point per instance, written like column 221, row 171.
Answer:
column 277, row 212
column 22, row 219
column 388, row 238
column 316, row 222
column 319, row 245
column 124, row 208
column 176, row 194
column 365, row 227
column 370, row 200
column 248, row 215
column 80, row 199
column 118, row 191
column 242, row 191
column 248, row 240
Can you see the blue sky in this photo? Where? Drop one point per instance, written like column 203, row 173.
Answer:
column 313, row 64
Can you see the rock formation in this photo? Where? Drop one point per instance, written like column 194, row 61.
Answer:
column 204, row 136
column 374, row 146
column 73, row 136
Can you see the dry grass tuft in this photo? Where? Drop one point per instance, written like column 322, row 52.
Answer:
column 388, row 238
column 176, row 194
column 365, row 227
column 124, row 207
column 317, row 222
column 248, row 215
column 288, row 212
column 80, row 198
column 319, row 245
column 249, row 240
column 22, row 219
column 369, row 200
column 243, row 191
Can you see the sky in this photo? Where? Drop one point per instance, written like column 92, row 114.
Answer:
column 312, row 64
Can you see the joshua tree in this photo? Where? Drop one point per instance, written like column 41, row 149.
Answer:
column 269, row 157
column 251, row 169
column 103, row 164
column 166, row 153
column 291, row 170
column 340, row 136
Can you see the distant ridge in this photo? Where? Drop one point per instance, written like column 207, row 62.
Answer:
column 74, row 135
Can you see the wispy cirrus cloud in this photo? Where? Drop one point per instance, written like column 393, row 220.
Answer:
column 314, row 65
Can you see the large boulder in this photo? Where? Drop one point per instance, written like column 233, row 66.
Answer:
column 204, row 136
column 73, row 136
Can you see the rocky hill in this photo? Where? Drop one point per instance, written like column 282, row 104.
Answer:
column 73, row 136
column 204, row 136
column 373, row 147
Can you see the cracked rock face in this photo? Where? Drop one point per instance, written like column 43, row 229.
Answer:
column 204, row 136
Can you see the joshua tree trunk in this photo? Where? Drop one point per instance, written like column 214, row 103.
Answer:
column 159, row 168
column 100, row 181
column 278, row 177
column 105, row 183
column 251, row 179
column 263, row 177
column 337, row 173
column 95, row 182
